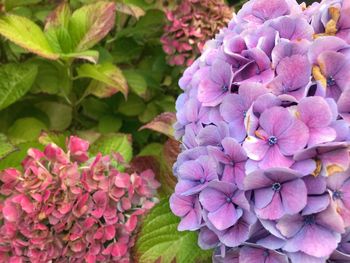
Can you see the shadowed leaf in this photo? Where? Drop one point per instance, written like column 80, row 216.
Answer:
column 108, row 79
column 15, row 81
column 162, row 123
column 130, row 9
column 5, row 146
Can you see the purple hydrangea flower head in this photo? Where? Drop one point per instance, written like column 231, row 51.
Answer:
column 264, row 123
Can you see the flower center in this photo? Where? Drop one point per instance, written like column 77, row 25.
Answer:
column 309, row 220
column 202, row 180
column 276, row 187
column 330, row 81
column 337, row 195
column 266, row 253
column 228, row 200
column 272, row 140
column 244, row 113
column 225, row 88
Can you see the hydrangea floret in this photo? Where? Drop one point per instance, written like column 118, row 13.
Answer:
column 65, row 205
column 263, row 119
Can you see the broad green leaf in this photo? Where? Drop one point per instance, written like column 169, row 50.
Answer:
column 15, row 81
column 159, row 239
column 58, row 138
column 60, row 114
column 109, row 123
column 10, row 4
column 113, row 142
column 125, row 50
column 136, row 82
column 133, row 106
column 25, row 130
column 109, row 79
column 130, row 9
column 89, row 55
column 52, row 77
column 163, row 123
column 154, row 149
column 26, row 34
column 150, row 112
column 148, row 26
column 89, row 24
column 5, row 146
column 95, row 108
column 58, row 17
column 14, row 159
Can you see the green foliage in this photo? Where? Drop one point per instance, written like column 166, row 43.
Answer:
column 15, row 81
column 159, row 239
column 5, row 146
column 95, row 69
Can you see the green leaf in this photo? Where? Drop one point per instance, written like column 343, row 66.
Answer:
column 10, row 4
column 15, row 81
column 125, row 50
column 89, row 24
column 5, row 146
column 136, row 82
column 113, row 142
column 14, row 159
column 154, row 149
column 163, row 124
column 59, row 17
column 130, row 9
column 60, row 115
column 52, row 77
column 133, row 106
column 25, row 129
column 89, row 55
column 150, row 112
column 149, row 25
column 58, row 138
column 95, row 108
column 160, row 240
column 26, row 34
column 109, row 123
column 109, row 79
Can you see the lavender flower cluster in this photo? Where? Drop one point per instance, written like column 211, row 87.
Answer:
column 264, row 175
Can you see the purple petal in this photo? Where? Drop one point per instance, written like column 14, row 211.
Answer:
column 294, row 196
column 290, row 225
column 225, row 216
column 272, row 211
column 212, row 199
column 294, row 138
column 255, row 148
column 274, row 158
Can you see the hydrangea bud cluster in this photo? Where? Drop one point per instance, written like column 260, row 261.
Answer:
column 67, row 206
column 264, row 175
column 190, row 25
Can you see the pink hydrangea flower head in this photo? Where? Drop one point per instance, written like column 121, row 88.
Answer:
column 65, row 205
column 189, row 25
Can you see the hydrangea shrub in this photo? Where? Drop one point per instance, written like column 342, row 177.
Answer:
column 67, row 205
column 263, row 175
column 189, row 25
